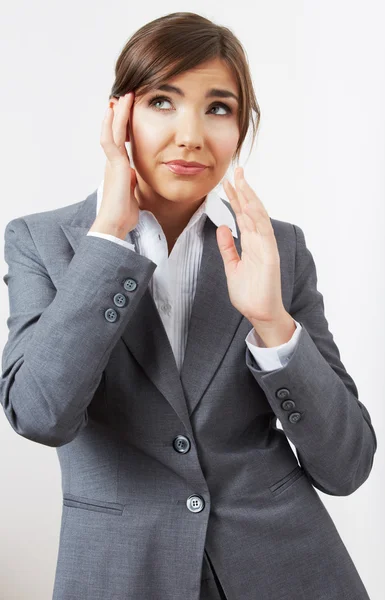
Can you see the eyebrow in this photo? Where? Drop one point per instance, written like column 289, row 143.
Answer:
column 214, row 92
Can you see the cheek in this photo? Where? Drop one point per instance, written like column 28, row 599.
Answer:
column 145, row 134
column 225, row 141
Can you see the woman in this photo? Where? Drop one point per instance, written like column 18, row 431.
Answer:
column 156, row 334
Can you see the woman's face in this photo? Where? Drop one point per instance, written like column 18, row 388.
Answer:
column 186, row 126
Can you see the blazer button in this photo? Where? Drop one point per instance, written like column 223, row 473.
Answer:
column 288, row 404
column 181, row 444
column 120, row 299
column 195, row 503
column 130, row 284
column 111, row 315
column 294, row 417
column 282, row 393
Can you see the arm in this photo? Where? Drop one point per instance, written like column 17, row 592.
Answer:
column 60, row 340
column 330, row 428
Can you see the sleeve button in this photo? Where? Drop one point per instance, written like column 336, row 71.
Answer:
column 282, row 393
column 120, row 299
column 294, row 417
column 288, row 404
column 111, row 315
column 130, row 284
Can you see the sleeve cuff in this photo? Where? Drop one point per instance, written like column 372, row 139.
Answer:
column 117, row 240
column 270, row 359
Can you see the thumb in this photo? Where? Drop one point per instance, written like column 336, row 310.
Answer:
column 227, row 249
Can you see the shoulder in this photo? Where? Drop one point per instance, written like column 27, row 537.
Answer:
column 49, row 217
column 40, row 236
column 44, row 226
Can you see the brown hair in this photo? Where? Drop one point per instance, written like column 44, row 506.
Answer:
column 175, row 43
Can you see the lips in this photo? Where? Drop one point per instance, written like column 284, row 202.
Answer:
column 182, row 170
column 185, row 163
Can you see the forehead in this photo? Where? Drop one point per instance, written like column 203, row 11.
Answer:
column 216, row 71
column 214, row 78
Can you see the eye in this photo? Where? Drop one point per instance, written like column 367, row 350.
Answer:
column 157, row 99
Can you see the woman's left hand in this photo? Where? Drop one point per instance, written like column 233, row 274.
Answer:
column 254, row 280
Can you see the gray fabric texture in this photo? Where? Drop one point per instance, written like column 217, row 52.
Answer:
column 109, row 398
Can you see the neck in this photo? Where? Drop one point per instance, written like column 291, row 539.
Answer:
column 173, row 216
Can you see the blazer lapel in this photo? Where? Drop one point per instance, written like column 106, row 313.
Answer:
column 212, row 324
column 213, row 320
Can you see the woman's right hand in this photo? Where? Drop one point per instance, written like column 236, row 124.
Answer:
column 119, row 209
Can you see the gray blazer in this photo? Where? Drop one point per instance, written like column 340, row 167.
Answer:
column 158, row 466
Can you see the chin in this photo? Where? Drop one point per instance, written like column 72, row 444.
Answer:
column 183, row 191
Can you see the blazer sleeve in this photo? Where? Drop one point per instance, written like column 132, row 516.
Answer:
column 60, row 340
column 329, row 426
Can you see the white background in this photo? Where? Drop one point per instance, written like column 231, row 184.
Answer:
column 318, row 72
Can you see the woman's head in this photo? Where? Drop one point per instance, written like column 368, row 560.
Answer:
column 189, row 52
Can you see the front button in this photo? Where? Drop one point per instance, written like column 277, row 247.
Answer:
column 181, row 444
column 120, row 299
column 282, row 393
column 166, row 308
column 294, row 417
column 288, row 404
column 195, row 503
column 130, row 284
column 111, row 315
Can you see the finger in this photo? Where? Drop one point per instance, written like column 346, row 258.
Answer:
column 232, row 194
column 260, row 220
column 227, row 249
column 253, row 207
column 106, row 138
column 249, row 193
column 244, row 219
column 240, row 189
column 249, row 221
column 119, row 126
column 233, row 197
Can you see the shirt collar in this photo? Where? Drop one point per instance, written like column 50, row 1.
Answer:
column 213, row 206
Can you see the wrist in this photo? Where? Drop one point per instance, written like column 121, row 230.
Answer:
column 276, row 332
column 100, row 226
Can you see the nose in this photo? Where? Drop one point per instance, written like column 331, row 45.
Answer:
column 189, row 131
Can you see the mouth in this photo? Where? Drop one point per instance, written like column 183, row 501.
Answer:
column 179, row 169
column 185, row 163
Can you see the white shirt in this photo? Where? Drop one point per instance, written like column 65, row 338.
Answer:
column 174, row 281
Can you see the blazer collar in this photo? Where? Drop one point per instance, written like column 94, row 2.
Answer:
column 213, row 207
